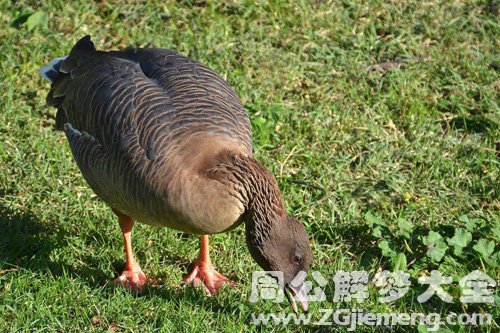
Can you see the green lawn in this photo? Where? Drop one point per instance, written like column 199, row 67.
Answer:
column 379, row 119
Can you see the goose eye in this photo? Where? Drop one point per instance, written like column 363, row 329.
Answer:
column 297, row 259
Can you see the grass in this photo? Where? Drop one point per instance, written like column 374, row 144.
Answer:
column 379, row 119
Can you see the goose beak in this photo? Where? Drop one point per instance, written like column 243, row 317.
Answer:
column 297, row 293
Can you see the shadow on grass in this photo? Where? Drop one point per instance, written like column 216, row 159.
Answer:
column 24, row 242
column 27, row 244
column 472, row 124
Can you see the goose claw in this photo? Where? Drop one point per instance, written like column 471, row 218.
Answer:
column 134, row 280
column 206, row 276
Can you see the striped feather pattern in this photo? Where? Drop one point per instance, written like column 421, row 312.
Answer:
column 134, row 118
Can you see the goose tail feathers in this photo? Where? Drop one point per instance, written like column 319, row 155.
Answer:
column 59, row 65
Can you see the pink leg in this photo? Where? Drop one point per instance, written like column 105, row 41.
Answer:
column 132, row 276
column 203, row 272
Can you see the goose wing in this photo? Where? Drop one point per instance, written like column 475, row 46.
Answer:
column 202, row 101
column 123, row 111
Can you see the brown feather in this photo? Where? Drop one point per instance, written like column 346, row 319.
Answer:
column 165, row 140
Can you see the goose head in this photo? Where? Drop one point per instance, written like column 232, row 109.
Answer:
column 284, row 248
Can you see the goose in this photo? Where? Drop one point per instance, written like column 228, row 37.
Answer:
column 163, row 140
